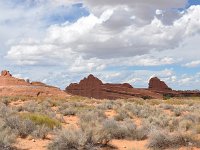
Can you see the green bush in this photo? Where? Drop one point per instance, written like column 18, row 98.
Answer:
column 40, row 119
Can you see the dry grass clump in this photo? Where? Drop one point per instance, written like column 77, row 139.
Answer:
column 40, row 119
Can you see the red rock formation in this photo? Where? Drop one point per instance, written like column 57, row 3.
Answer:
column 6, row 73
column 11, row 86
column 92, row 87
column 157, row 85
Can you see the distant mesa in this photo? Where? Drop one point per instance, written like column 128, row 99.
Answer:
column 92, row 87
column 11, row 86
column 157, row 85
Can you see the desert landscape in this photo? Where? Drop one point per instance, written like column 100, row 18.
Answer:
column 99, row 75
column 132, row 119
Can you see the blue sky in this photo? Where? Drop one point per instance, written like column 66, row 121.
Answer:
column 61, row 41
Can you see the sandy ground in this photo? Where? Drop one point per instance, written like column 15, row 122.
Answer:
column 31, row 144
column 16, row 103
column 110, row 113
column 71, row 121
column 187, row 148
column 129, row 145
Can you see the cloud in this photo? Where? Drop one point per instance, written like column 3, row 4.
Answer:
column 120, row 41
column 143, row 10
column 89, row 37
column 193, row 64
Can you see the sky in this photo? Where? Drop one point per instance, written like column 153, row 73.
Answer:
column 61, row 41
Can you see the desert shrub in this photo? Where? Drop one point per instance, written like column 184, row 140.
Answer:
column 194, row 117
column 173, row 124
column 124, row 130
column 18, row 108
column 122, row 114
column 197, row 129
column 185, row 125
column 69, row 111
column 94, row 115
column 5, row 100
column 5, row 111
column 106, row 105
column 143, row 111
column 177, row 112
column 41, row 132
column 30, row 106
column 167, row 106
column 142, row 133
column 163, row 140
column 114, row 130
column 40, row 119
column 66, row 140
column 7, row 138
column 78, row 139
column 159, row 121
column 23, row 127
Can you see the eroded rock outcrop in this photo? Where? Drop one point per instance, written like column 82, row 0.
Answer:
column 11, row 86
column 6, row 73
column 92, row 87
column 158, row 85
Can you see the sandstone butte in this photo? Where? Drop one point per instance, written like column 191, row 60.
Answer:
column 11, row 86
column 92, row 87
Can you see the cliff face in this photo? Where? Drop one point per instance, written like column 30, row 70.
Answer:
column 92, row 87
column 11, row 86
